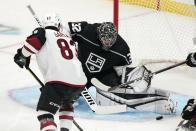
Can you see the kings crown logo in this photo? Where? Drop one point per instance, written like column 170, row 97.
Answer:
column 94, row 63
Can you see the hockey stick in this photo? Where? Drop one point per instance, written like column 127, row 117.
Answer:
column 180, row 124
column 34, row 15
column 104, row 87
column 101, row 109
column 39, row 81
column 86, row 95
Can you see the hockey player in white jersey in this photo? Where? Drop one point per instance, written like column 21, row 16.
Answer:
column 64, row 78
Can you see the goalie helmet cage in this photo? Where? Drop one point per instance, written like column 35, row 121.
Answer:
column 158, row 31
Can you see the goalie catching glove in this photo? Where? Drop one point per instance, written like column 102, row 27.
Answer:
column 142, row 72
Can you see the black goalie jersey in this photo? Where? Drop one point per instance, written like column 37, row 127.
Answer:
column 97, row 62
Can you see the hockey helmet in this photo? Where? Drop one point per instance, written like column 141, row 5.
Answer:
column 107, row 34
column 52, row 19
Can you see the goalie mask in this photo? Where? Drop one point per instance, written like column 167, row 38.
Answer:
column 52, row 19
column 107, row 34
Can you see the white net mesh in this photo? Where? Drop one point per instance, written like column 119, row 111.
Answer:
column 158, row 31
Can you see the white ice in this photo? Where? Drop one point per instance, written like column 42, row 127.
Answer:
column 17, row 117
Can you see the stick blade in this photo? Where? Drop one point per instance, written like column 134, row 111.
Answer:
column 99, row 85
column 110, row 109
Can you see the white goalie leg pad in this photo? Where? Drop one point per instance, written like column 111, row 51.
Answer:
column 159, row 103
column 162, row 102
column 111, row 109
column 159, row 92
column 159, row 106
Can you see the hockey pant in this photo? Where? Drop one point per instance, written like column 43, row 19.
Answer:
column 57, row 97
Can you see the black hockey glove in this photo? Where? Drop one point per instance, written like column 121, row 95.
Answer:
column 189, row 110
column 191, row 60
column 21, row 60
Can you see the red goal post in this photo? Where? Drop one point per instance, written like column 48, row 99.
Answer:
column 116, row 12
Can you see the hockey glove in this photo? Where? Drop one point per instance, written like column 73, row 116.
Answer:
column 21, row 60
column 191, row 60
column 189, row 110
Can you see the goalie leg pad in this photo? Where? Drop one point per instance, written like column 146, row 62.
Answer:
column 142, row 102
column 159, row 92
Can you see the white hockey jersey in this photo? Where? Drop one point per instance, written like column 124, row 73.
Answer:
column 56, row 55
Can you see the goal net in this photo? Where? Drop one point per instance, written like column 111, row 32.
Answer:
column 157, row 31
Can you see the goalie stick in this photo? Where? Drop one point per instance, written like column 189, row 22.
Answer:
column 101, row 109
column 104, row 87
column 180, row 124
column 86, row 95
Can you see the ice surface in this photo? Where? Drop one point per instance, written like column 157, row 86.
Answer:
column 15, row 116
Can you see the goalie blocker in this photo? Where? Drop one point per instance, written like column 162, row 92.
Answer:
column 137, row 96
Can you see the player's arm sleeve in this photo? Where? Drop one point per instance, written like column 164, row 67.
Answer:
column 34, row 42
